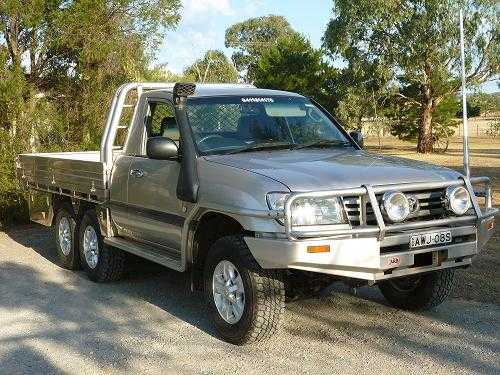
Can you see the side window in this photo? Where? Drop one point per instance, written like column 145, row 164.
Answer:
column 160, row 121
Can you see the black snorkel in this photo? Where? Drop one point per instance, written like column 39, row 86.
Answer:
column 188, row 184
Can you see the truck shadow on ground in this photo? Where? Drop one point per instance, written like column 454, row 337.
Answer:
column 75, row 308
column 85, row 317
column 142, row 279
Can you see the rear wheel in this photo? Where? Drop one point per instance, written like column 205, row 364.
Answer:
column 101, row 262
column 420, row 292
column 66, row 237
column 244, row 301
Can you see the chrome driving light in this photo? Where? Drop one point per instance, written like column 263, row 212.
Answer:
column 458, row 199
column 317, row 211
column 396, row 206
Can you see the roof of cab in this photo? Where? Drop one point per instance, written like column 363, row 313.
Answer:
column 207, row 90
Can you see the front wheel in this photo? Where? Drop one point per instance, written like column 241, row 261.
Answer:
column 419, row 292
column 244, row 301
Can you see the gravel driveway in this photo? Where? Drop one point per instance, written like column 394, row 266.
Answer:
column 57, row 321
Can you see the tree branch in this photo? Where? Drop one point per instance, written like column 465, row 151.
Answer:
column 409, row 99
column 33, row 47
column 481, row 65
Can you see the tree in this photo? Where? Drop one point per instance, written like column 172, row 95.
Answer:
column 292, row 64
column 361, row 91
column 162, row 73
column 482, row 104
column 81, row 50
column 405, row 118
column 56, row 34
column 214, row 67
column 418, row 41
column 60, row 61
column 252, row 37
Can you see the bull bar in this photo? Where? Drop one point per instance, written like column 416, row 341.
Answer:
column 357, row 252
column 369, row 192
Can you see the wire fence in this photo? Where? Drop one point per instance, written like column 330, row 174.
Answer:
column 478, row 127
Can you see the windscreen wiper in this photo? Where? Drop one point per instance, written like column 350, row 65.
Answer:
column 323, row 143
column 262, row 146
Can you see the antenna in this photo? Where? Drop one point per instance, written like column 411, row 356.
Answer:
column 464, row 98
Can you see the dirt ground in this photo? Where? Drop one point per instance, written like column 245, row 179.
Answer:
column 54, row 321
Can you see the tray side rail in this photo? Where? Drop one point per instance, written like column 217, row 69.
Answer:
column 79, row 179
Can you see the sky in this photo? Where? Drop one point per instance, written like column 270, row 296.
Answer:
column 204, row 23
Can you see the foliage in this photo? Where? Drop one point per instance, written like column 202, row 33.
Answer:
column 405, row 119
column 60, row 62
column 494, row 130
column 162, row 73
column 482, row 104
column 418, row 43
column 252, row 37
column 361, row 92
column 473, row 110
column 292, row 64
column 214, row 67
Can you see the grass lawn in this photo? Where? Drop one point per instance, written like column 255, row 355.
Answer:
column 480, row 282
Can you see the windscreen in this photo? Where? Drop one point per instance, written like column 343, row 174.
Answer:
column 226, row 124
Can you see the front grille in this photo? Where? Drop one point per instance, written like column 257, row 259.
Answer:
column 430, row 202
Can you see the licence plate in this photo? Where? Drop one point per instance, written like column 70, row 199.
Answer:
column 430, row 239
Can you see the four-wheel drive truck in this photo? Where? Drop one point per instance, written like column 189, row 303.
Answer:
column 262, row 196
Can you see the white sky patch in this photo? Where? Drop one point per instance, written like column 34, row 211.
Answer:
column 181, row 50
column 196, row 7
column 202, row 27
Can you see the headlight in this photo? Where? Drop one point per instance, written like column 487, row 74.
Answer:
column 396, row 206
column 317, row 211
column 458, row 199
column 309, row 211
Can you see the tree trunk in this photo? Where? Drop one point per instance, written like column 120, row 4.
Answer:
column 425, row 139
column 11, row 35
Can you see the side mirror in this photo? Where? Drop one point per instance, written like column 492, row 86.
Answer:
column 358, row 138
column 161, row 148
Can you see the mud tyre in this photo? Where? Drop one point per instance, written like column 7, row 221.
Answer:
column 100, row 262
column 258, row 299
column 421, row 292
column 65, row 231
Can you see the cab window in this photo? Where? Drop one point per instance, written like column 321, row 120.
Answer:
column 160, row 120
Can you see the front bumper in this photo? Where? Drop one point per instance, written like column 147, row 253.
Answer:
column 372, row 259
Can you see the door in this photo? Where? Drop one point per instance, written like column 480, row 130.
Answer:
column 155, row 213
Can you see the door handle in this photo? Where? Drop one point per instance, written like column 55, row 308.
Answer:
column 137, row 173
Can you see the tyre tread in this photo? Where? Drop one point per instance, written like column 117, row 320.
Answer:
column 269, row 292
column 432, row 291
column 111, row 266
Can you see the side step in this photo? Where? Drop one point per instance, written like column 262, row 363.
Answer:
column 166, row 258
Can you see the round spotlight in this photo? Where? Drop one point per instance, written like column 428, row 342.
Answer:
column 458, row 199
column 396, row 206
